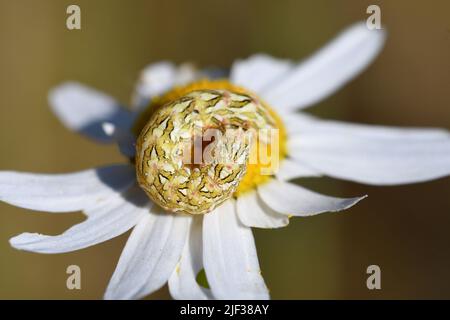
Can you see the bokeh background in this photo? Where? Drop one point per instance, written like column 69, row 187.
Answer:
column 402, row 229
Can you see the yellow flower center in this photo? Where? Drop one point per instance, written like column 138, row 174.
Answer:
column 262, row 162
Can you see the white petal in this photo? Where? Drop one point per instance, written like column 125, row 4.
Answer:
column 291, row 199
column 64, row 192
column 150, row 255
column 159, row 77
column 372, row 154
column 289, row 169
column 253, row 212
column 258, row 71
column 296, row 122
column 182, row 283
column 112, row 219
column 328, row 70
column 83, row 109
column 230, row 258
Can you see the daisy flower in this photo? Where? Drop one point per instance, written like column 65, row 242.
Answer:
column 190, row 221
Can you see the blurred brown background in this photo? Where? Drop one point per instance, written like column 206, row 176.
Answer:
column 404, row 229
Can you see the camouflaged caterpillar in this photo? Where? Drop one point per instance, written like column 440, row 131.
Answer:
column 217, row 124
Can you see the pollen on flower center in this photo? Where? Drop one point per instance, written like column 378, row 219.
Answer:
column 201, row 144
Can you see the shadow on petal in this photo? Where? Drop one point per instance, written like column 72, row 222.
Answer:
column 120, row 119
column 120, row 181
